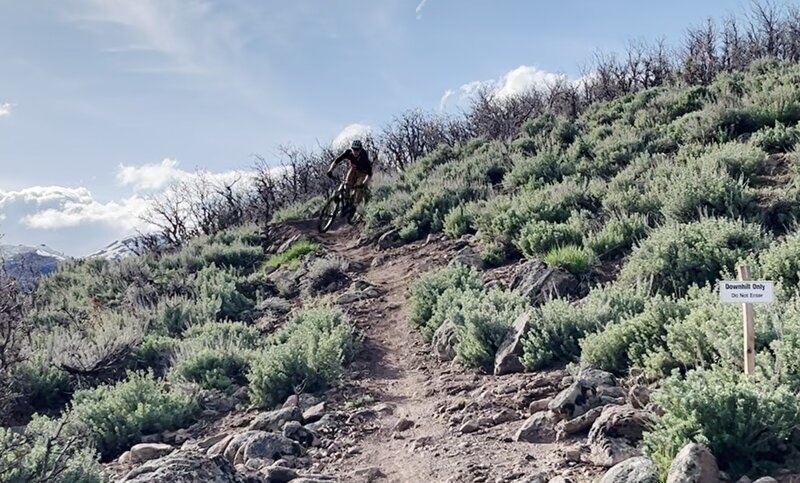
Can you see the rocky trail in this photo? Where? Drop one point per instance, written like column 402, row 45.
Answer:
column 403, row 412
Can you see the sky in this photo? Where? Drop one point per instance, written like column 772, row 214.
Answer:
column 105, row 103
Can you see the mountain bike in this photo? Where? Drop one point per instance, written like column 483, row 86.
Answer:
column 340, row 203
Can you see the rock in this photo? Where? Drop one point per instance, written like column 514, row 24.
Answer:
column 151, row 438
column 639, row 396
column 538, row 428
column 469, row 427
column 367, row 475
column 314, row 413
column 295, row 431
column 184, row 467
column 507, row 360
column 541, row 476
column 385, row 409
column 583, row 394
column 616, row 435
column 390, row 239
column 744, row 479
column 149, row 451
column 444, row 342
column 219, row 447
column 207, row 443
column 540, row 283
column 766, row 479
column 125, row 458
column 403, row 424
column 579, row 424
column 280, row 474
column 274, row 420
column 468, row 256
column 632, row 470
column 539, row 405
column 260, row 444
column 505, row 415
column 694, row 464
column 326, row 423
column 361, row 416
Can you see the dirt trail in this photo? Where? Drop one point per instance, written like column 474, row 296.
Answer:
column 395, row 368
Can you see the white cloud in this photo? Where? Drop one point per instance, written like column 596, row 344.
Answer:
column 446, row 97
column 192, row 36
column 5, row 109
column 523, row 79
column 124, row 215
column 513, row 83
column 351, row 132
column 420, row 7
column 45, row 194
column 151, row 177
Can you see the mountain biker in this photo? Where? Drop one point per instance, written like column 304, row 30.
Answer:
column 359, row 172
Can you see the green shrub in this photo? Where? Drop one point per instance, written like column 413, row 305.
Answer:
column 482, row 321
column 781, row 261
column 299, row 211
column 571, row 258
column 212, row 368
column 494, row 255
column 425, row 292
column 535, row 171
column 237, row 254
column 154, row 353
column 292, row 255
column 617, row 236
column 702, row 189
column 744, row 422
column 215, row 333
column 410, row 232
column 174, row 314
column 676, row 256
column 309, row 352
column 45, row 453
column 538, row 237
column 218, row 286
column 777, row 139
column 634, row 341
column 386, row 212
column 44, row 386
column 738, row 159
column 118, row 415
column 458, row 222
column 558, row 326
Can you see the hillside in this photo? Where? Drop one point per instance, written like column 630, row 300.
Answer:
column 541, row 309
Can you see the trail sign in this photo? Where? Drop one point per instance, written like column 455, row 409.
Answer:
column 747, row 292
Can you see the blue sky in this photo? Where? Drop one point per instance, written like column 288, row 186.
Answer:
column 105, row 102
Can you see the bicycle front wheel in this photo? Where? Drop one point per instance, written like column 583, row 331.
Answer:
column 328, row 213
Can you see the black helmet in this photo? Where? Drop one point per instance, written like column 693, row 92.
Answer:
column 356, row 144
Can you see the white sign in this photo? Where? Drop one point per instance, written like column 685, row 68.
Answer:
column 750, row 292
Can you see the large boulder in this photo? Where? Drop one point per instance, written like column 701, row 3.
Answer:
column 274, row 420
column 633, row 470
column 444, row 341
column 617, row 434
column 468, row 256
column 143, row 452
column 694, row 464
column 508, row 356
column 184, row 467
column 540, row 283
column 260, row 445
column 593, row 388
column 539, row 428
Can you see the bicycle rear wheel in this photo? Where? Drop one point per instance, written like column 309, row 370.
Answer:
column 328, row 213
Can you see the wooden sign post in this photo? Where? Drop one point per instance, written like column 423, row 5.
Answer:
column 747, row 292
column 748, row 316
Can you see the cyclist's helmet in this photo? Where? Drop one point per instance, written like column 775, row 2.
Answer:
column 356, row 144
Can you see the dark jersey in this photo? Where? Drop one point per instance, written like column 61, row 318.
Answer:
column 361, row 162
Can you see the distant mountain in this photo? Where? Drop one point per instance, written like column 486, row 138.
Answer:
column 116, row 250
column 28, row 263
